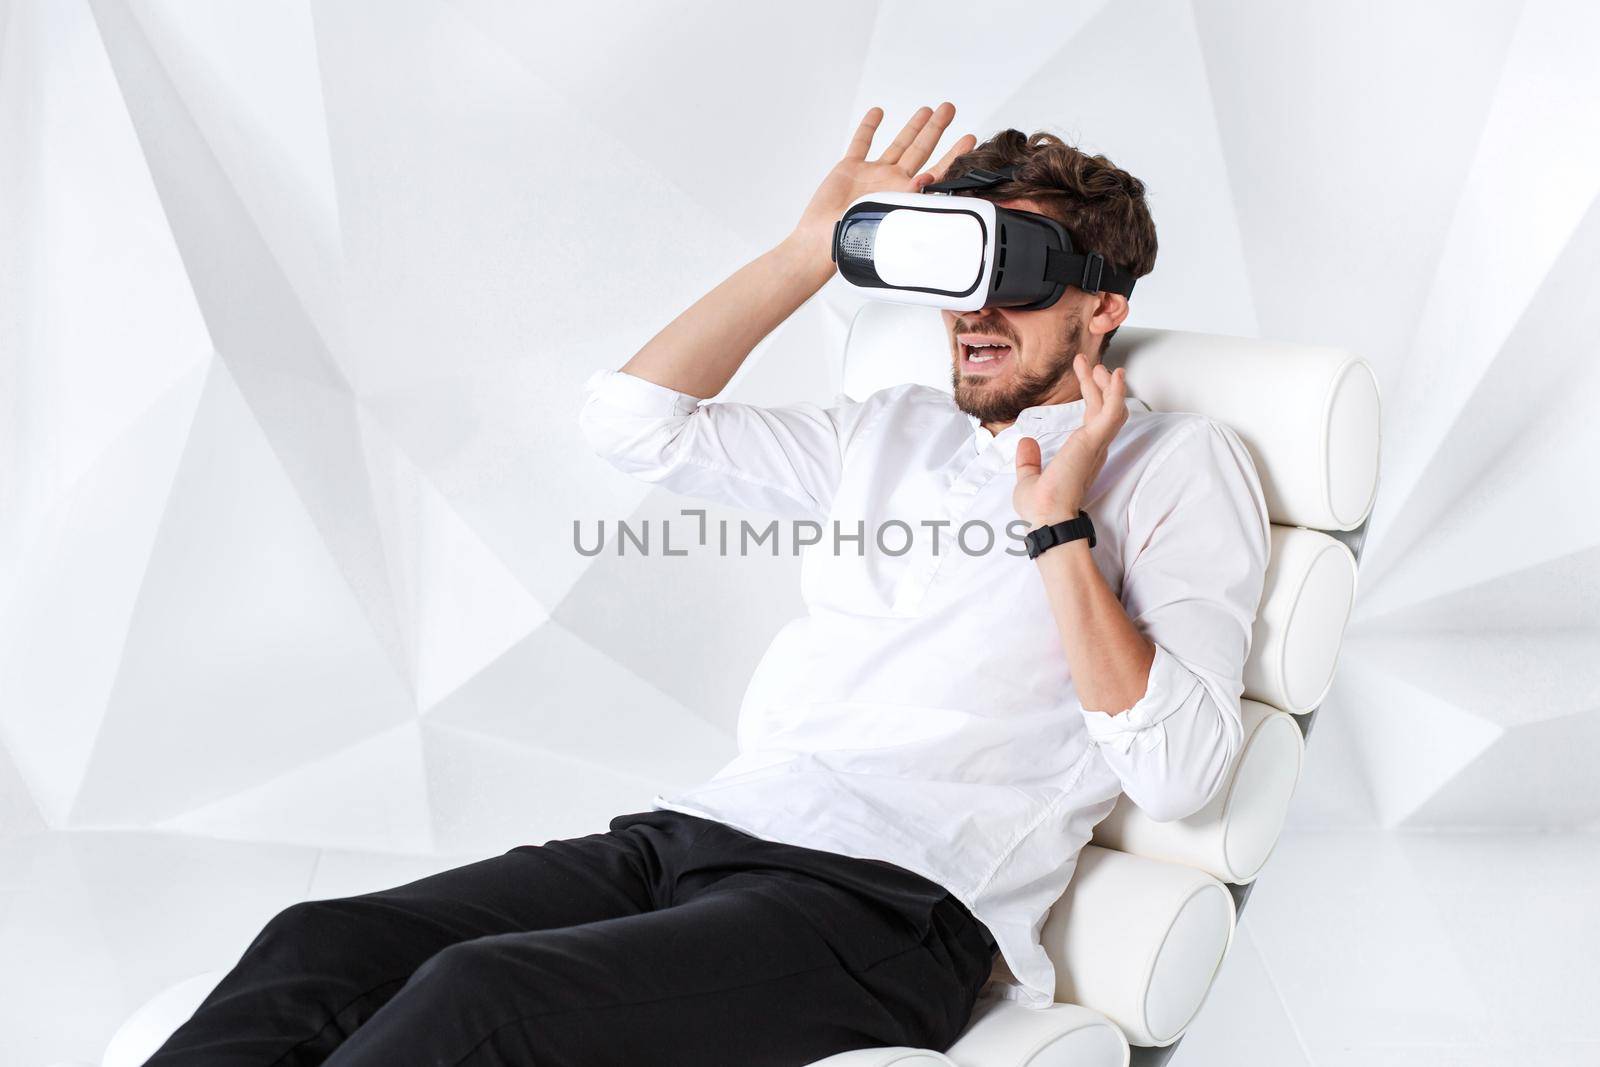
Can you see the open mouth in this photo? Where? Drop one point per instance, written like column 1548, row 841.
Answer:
column 982, row 354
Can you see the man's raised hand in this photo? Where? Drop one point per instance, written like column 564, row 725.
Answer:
column 897, row 169
column 1055, row 493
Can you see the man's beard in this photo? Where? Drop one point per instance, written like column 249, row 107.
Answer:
column 986, row 403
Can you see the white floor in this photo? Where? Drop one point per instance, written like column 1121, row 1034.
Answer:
column 1358, row 947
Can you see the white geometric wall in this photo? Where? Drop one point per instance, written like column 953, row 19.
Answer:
column 296, row 299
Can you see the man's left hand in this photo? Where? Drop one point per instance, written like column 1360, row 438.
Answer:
column 1055, row 493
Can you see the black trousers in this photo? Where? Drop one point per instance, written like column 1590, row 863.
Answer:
column 668, row 939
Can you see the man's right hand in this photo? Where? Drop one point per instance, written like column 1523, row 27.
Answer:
column 896, row 170
column 699, row 351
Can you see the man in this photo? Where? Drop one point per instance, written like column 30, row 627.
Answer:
column 951, row 726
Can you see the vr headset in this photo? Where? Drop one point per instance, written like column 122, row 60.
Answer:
column 963, row 253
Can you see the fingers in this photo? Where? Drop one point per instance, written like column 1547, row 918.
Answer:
column 1102, row 381
column 964, row 144
column 904, row 138
column 1087, row 385
column 927, row 138
column 1109, row 412
column 1028, row 458
column 864, row 134
column 1115, row 389
column 1111, row 391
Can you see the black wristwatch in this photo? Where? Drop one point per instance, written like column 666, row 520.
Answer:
column 1048, row 537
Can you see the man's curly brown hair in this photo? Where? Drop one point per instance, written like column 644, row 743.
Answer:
column 1101, row 205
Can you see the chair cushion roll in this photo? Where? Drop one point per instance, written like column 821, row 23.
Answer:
column 1308, row 414
column 1004, row 1033
column 1139, row 941
column 896, row 1056
column 1310, row 586
column 1231, row 837
column 148, row 1028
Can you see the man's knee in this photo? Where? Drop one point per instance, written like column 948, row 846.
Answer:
column 469, row 968
column 313, row 929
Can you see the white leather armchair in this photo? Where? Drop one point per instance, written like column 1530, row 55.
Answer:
column 1147, row 920
column 1142, row 929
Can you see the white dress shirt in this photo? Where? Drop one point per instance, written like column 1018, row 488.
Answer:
column 928, row 716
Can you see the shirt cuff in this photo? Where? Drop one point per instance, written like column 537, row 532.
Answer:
column 1167, row 690
column 622, row 391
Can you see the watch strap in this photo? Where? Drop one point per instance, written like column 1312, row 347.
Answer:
column 1047, row 537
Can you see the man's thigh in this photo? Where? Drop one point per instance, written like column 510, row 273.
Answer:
column 740, row 973
column 562, row 882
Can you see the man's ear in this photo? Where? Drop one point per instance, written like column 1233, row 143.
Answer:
column 1109, row 312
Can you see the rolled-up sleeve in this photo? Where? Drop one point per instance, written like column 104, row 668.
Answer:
column 783, row 460
column 1196, row 561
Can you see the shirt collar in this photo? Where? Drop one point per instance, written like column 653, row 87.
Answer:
column 1040, row 420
